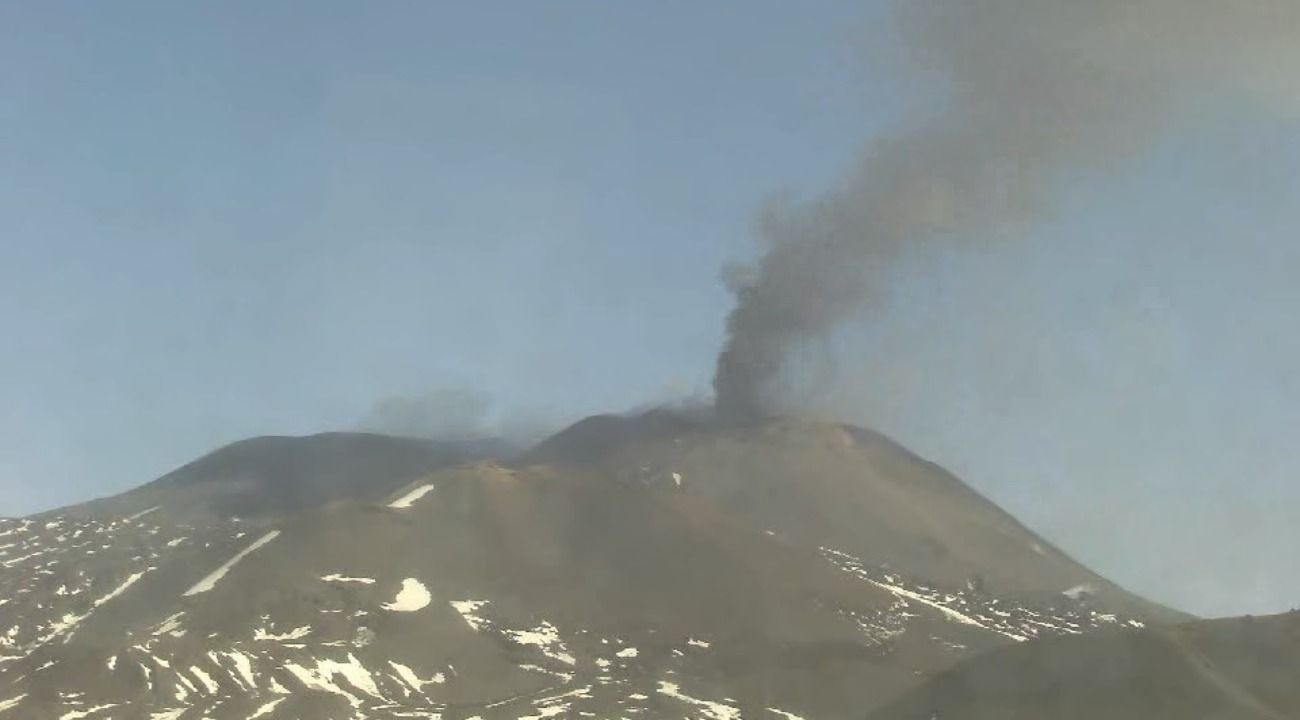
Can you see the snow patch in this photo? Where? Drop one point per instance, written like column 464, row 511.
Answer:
column 294, row 634
column 1078, row 592
column 211, row 580
column 126, row 584
column 945, row 611
column 467, row 608
column 410, row 678
column 206, row 679
column 171, row 626
column 547, row 638
column 11, row 702
column 712, row 710
column 322, row 678
column 409, row 498
column 909, row 595
column 78, row 714
column 61, row 626
column 244, row 667
column 142, row 513
column 265, row 709
column 335, row 577
column 413, row 596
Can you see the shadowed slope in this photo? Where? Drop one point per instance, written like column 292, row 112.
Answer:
column 1233, row 668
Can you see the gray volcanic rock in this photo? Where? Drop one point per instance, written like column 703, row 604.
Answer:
column 629, row 567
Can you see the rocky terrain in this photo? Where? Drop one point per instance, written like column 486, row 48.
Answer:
column 650, row 566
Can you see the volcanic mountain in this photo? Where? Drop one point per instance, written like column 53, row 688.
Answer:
column 645, row 566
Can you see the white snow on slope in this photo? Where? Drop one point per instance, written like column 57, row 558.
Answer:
column 171, row 626
column 1079, row 591
column 297, row 633
column 11, row 702
column 211, row 580
column 140, row 514
column 712, row 710
column 78, row 714
column 335, row 577
column 947, row 612
column 905, row 594
column 414, row 681
column 467, row 608
column 244, row 666
column 69, row 622
column 206, row 679
column 266, row 709
column 781, row 713
column 409, row 498
column 322, row 678
column 413, row 596
column 547, row 638
column 59, row 627
column 126, row 584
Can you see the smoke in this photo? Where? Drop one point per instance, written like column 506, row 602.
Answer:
column 459, row 415
column 454, row 414
column 1034, row 94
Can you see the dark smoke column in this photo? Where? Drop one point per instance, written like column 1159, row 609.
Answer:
column 1039, row 94
column 740, row 375
column 751, row 358
column 800, row 289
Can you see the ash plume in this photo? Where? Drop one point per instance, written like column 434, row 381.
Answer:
column 459, row 415
column 1034, row 93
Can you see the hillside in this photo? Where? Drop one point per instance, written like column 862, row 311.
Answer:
column 1234, row 668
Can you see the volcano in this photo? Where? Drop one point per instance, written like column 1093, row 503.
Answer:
column 655, row 565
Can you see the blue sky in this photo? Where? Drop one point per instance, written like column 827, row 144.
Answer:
column 231, row 219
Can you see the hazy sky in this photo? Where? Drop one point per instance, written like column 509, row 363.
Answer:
column 225, row 220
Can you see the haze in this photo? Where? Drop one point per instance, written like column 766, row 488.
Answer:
column 228, row 221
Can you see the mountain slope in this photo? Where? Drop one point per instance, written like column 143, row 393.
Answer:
column 1233, row 668
column 828, row 485
column 653, row 571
